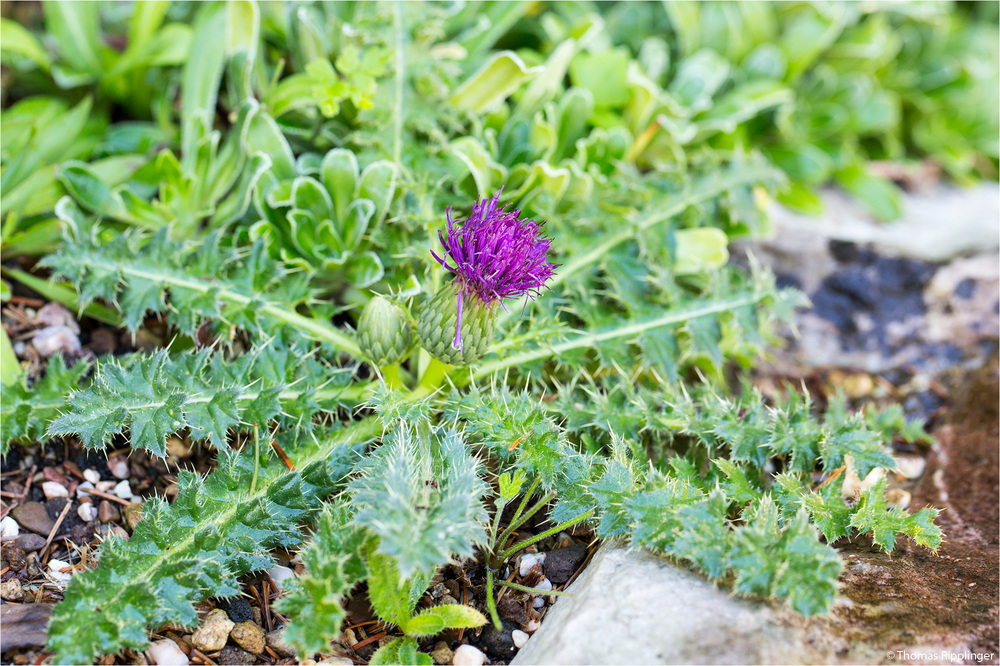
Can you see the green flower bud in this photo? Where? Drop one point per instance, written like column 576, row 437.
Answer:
column 384, row 332
column 438, row 324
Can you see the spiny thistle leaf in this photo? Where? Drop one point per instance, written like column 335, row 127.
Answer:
column 420, row 492
column 27, row 411
column 206, row 281
column 154, row 396
column 334, row 563
column 217, row 529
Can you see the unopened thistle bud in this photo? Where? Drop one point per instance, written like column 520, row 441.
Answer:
column 384, row 332
column 496, row 255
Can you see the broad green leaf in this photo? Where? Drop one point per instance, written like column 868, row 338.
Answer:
column 15, row 38
column 496, row 80
column 604, row 74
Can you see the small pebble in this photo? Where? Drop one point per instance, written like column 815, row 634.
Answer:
column 104, row 486
column 520, row 638
column 237, row 608
column 119, row 467
column 33, row 516
column 498, row 643
column 562, row 563
column 529, row 560
column 897, row 498
column 81, row 490
column 56, row 314
column 447, row 600
column 167, row 653
column 532, row 626
column 53, row 490
column 11, row 590
column 9, row 527
column 132, row 514
column 55, row 573
column 276, row 641
column 213, row 632
column 544, row 584
column 442, row 654
column 14, row 555
column 92, row 475
column 54, row 339
column 87, row 512
column 910, row 467
column 29, row 542
column 340, row 661
column 466, row 655
column 123, row 490
column 249, row 636
column 279, row 574
column 538, row 602
column 107, row 512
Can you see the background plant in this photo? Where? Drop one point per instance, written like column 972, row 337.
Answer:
column 265, row 184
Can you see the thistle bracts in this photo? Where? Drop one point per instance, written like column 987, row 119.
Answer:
column 440, row 316
column 384, row 332
column 497, row 255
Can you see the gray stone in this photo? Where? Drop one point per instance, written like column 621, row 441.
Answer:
column 213, row 632
column 34, row 517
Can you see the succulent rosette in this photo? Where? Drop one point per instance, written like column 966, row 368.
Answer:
column 493, row 255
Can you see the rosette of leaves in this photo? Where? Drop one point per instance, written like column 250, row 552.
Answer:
column 320, row 218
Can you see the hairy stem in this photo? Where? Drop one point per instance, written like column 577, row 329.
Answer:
column 544, row 535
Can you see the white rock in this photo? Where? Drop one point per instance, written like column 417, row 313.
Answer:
column 538, row 602
column 544, row 584
column 104, row 486
column 279, row 574
column 54, row 339
column 82, row 488
column 466, row 655
column 123, row 490
column 92, row 475
column 56, row 314
column 9, row 527
column 532, row 626
column 519, row 638
column 55, row 573
column 118, row 467
column 910, row 467
column 529, row 560
column 339, row 661
column 53, row 490
column 167, row 653
column 87, row 512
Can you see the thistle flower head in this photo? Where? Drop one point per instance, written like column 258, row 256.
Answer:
column 496, row 255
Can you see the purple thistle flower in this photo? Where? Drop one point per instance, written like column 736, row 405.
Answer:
column 496, row 256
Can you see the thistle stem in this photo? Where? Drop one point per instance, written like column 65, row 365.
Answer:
column 433, row 377
column 390, row 373
column 544, row 535
column 491, row 604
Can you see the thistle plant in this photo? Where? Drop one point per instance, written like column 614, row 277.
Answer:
column 283, row 271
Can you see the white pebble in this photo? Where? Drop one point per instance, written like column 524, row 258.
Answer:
column 123, row 490
column 55, row 573
column 544, row 584
column 519, row 637
column 104, row 486
column 910, row 467
column 87, row 512
column 532, row 626
column 53, row 490
column 118, row 467
column 80, row 490
column 92, row 475
column 9, row 527
column 529, row 560
column 54, row 339
column 466, row 655
column 167, row 653
column 538, row 602
column 279, row 574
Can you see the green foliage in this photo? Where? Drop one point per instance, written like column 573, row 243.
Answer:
column 420, row 492
column 28, row 411
column 195, row 548
column 250, row 173
column 334, row 564
column 155, row 396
